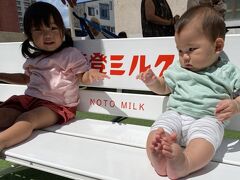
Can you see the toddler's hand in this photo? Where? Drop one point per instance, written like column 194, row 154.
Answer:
column 226, row 109
column 94, row 75
column 148, row 77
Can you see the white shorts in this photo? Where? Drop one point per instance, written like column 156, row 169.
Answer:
column 188, row 128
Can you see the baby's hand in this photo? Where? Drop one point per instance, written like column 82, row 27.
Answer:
column 148, row 77
column 226, row 109
column 94, row 76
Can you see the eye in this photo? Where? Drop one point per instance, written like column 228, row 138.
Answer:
column 191, row 49
column 180, row 52
column 36, row 29
column 54, row 28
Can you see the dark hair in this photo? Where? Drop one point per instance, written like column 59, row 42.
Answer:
column 213, row 25
column 122, row 34
column 37, row 14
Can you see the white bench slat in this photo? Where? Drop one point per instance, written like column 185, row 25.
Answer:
column 8, row 90
column 11, row 57
column 123, row 104
column 90, row 158
column 215, row 171
column 229, row 152
column 111, row 103
column 126, row 134
column 134, row 135
column 60, row 158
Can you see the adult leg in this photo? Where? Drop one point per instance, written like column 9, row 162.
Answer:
column 38, row 118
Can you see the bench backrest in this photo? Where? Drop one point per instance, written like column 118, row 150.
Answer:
column 122, row 60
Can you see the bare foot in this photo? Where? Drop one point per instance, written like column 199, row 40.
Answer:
column 154, row 150
column 177, row 164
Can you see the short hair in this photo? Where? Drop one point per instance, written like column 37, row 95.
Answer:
column 212, row 23
column 122, row 34
column 95, row 24
column 95, row 20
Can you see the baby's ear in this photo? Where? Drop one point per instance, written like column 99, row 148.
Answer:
column 219, row 43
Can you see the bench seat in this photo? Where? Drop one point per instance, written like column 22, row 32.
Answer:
column 76, row 155
column 86, row 148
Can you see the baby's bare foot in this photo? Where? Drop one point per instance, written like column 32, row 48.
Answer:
column 155, row 152
column 176, row 161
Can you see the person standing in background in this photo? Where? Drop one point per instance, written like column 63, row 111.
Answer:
column 157, row 19
column 218, row 5
column 72, row 3
column 122, row 34
column 95, row 28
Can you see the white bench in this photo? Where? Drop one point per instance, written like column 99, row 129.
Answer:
column 94, row 149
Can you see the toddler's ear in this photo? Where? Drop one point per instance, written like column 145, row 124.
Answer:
column 219, row 45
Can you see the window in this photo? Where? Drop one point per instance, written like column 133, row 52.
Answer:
column 106, row 27
column 26, row 4
column 233, row 13
column 91, row 11
column 110, row 5
column 233, row 9
column 104, row 11
column 113, row 29
column 109, row 28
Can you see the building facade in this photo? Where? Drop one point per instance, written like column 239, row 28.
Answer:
column 8, row 16
column 11, row 14
column 120, row 15
column 102, row 10
column 125, row 15
column 22, row 5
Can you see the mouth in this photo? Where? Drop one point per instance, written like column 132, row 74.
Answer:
column 188, row 66
column 48, row 43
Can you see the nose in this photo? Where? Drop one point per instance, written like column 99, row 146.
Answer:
column 186, row 57
column 47, row 32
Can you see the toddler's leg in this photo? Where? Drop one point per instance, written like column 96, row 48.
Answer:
column 181, row 162
column 7, row 117
column 154, row 151
column 38, row 118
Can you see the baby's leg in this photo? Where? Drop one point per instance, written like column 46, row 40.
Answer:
column 154, row 151
column 38, row 118
column 181, row 162
column 205, row 136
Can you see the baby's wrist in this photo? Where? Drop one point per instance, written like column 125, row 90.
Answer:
column 237, row 103
column 151, row 82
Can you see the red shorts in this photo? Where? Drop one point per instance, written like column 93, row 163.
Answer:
column 26, row 103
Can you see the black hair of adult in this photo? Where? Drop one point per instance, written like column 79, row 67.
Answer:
column 37, row 14
column 122, row 34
